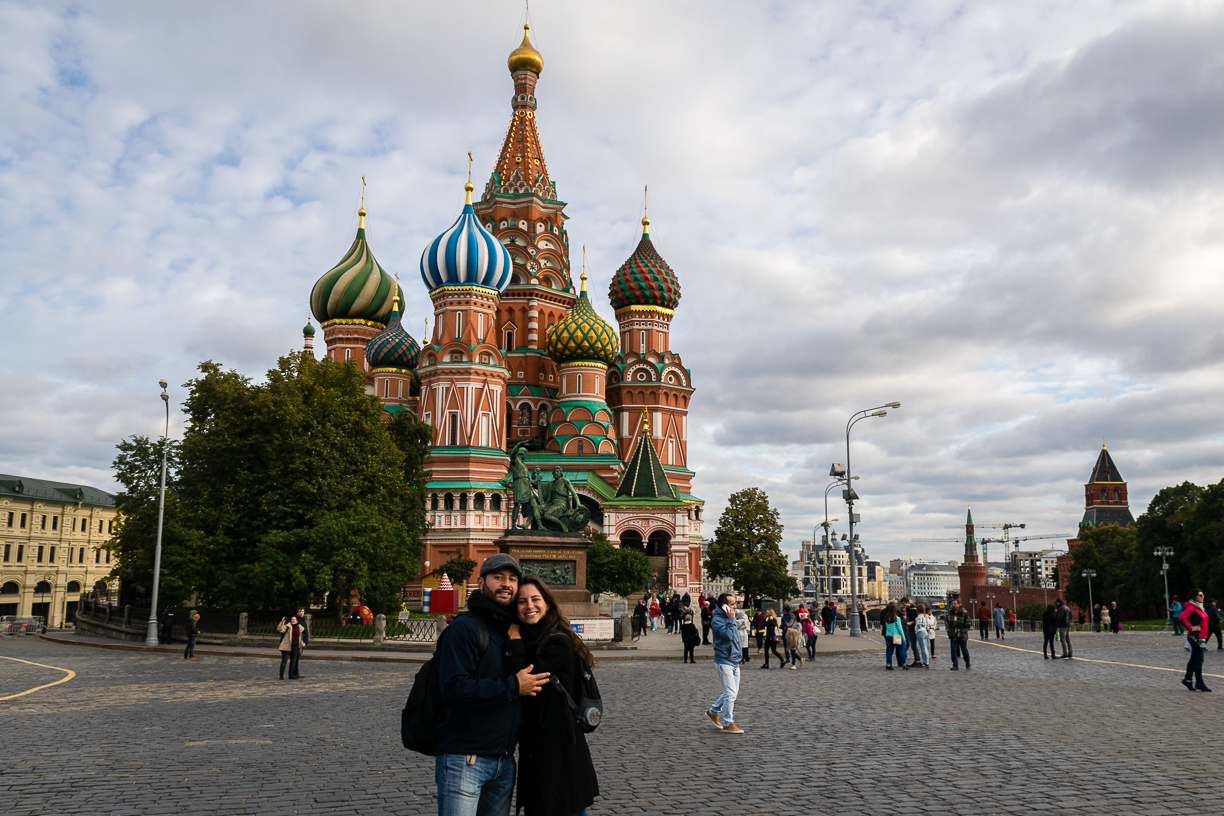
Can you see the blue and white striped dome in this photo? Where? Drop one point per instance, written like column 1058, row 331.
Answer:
column 467, row 254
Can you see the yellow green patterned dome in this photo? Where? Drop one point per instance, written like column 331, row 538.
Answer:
column 583, row 335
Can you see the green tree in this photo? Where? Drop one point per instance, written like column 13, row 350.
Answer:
column 1164, row 525
column 457, row 569
column 1110, row 550
column 612, row 569
column 1204, row 543
column 745, row 548
column 297, row 487
column 138, row 468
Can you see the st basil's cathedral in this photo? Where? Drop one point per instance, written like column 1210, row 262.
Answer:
column 518, row 355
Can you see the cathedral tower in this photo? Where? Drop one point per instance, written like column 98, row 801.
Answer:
column 519, row 205
column 390, row 359
column 648, row 374
column 352, row 301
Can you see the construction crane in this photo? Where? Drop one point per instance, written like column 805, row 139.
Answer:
column 985, row 542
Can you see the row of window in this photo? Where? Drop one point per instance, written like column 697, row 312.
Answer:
column 447, row 501
column 1105, row 494
column 21, row 520
column 77, row 553
column 43, row 587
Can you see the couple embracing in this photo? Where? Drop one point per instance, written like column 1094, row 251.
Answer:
column 501, row 668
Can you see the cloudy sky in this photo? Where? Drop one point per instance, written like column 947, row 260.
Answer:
column 1007, row 216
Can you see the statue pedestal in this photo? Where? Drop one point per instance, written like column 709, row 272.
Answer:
column 559, row 561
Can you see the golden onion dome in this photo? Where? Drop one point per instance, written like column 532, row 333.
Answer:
column 525, row 58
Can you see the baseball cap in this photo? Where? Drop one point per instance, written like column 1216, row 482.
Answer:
column 501, row 561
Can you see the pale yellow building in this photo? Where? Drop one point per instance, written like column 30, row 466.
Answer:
column 53, row 543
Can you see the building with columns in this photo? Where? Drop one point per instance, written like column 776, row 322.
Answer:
column 54, row 539
column 520, row 356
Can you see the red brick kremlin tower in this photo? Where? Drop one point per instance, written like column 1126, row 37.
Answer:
column 1105, row 502
column 972, row 572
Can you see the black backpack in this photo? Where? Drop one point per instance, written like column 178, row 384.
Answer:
column 588, row 711
column 425, row 709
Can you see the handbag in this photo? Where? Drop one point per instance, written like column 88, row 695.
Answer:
column 897, row 640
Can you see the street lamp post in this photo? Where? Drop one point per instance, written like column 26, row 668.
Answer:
column 1165, row 553
column 151, row 634
column 850, row 496
column 1089, row 574
column 1015, row 590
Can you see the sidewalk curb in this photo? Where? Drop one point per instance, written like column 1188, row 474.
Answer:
column 380, row 657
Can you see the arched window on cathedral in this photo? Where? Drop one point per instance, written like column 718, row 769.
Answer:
column 496, row 503
column 1117, row 494
column 433, row 502
column 509, row 413
column 463, row 501
column 448, row 502
column 543, row 415
column 478, row 502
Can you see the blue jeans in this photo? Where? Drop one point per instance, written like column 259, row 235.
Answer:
column 482, row 789
column 725, row 705
column 924, row 645
column 899, row 648
column 959, row 647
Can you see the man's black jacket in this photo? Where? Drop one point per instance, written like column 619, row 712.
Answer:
column 485, row 709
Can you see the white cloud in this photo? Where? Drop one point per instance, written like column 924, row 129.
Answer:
column 1005, row 216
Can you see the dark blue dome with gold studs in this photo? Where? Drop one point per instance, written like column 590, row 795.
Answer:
column 583, row 335
column 393, row 347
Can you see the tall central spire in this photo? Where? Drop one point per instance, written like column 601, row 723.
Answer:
column 520, row 168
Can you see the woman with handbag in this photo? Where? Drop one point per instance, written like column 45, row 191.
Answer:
column 809, row 633
column 894, row 636
column 931, row 627
column 771, row 638
column 922, row 637
column 290, row 645
column 792, row 645
column 1194, row 618
column 758, row 629
column 556, row 776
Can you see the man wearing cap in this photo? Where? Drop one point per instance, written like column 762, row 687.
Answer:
column 474, row 767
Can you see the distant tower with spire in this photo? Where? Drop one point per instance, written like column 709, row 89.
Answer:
column 972, row 571
column 1105, row 502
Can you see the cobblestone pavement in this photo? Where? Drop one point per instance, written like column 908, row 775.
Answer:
column 137, row 733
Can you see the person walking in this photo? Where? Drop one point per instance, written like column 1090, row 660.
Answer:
column 1063, row 619
column 771, row 638
column 998, row 621
column 894, row 637
column 290, row 645
column 1175, row 610
column 654, row 614
column 1213, row 624
column 809, row 635
column 556, row 776
column 1194, row 618
column 727, row 655
column 166, row 635
column 910, row 609
column 1011, row 620
column 1115, row 617
column 1106, row 620
column 792, row 646
column 862, row 610
column 832, row 618
column 193, row 629
column 690, row 638
column 984, row 622
column 758, row 629
column 474, row 765
column 958, row 625
column 641, row 614
column 1096, row 618
column 741, row 623
column 826, row 616
column 922, row 637
column 707, row 616
column 1049, row 628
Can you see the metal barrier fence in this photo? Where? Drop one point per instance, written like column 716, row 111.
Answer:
column 13, row 625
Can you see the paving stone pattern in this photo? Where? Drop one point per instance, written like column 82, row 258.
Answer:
column 137, row 733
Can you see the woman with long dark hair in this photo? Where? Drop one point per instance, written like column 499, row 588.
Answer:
column 555, row 776
column 894, row 636
column 771, row 638
column 1194, row 618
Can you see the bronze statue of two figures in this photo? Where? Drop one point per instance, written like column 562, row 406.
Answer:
column 542, row 505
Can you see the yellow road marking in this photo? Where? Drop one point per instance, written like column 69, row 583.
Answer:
column 1091, row 660
column 71, row 674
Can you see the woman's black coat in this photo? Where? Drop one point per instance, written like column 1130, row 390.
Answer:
column 556, row 776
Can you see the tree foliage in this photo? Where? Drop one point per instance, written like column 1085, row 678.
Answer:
column 746, row 548
column 612, row 569
column 285, row 490
column 1186, row 518
column 457, row 568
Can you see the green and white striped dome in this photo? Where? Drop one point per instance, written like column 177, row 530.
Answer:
column 357, row 288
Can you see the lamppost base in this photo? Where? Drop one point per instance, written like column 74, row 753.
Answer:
column 151, row 634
